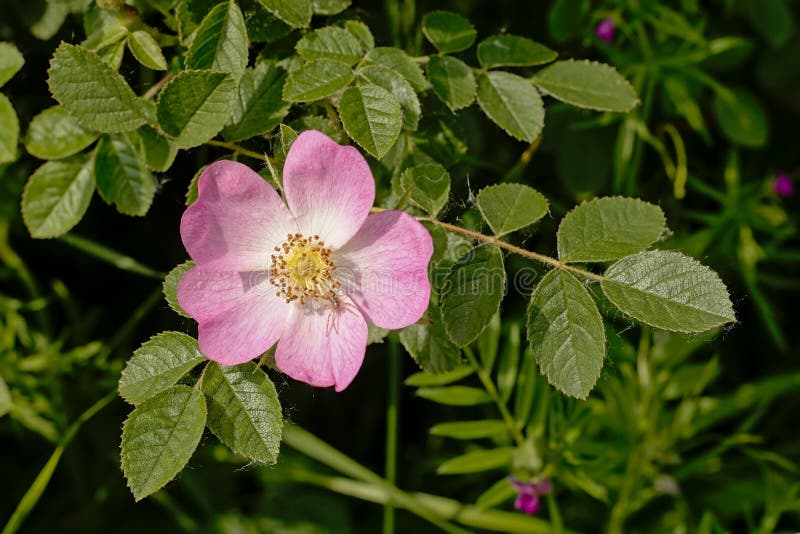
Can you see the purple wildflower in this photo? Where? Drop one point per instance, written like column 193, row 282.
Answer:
column 528, row 494
column 783, row 186
column 605, row 30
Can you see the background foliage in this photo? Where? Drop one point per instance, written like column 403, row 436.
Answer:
column 692, row 432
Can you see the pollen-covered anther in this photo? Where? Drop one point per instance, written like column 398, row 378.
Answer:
column 302, row 269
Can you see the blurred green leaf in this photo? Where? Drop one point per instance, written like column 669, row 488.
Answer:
column 477, row 461
column 741, row 117
column 5, row 398
column 316, row 80
column 427, row 342
column 157, row 365
column 455, row 395
column 55, row 134
column 372, row 117
column 146, row 50
column 9, row 131
column 509, row 207
column 424, row 378
column 330, row 42
column 483, row 428
column 397, row 60
column 452, row 81
column 448, row 32
column 773, row 19
column 429, row 184
column 259, row 106
column 587, row 84
column 565, row 332
column 159, row 437
column 512, row 51
column 295, row 13
column 11, row 61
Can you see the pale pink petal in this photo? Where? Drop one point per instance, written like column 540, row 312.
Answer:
column 384, row 269
column 237, row 220
column 329, row 187
column 323, row 347
column 238, row 314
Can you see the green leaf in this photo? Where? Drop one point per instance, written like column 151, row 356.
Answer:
column 428, row 344
column 429, row 184
column 55, row 134
column 122, row 176
column 398, row 86
column 9, row 131
column 5, row 398
column 512, row 103
column 93, row 92
column 259, row 107
column 57, row 195
column 330, row 42
column 158, row 151
column 112, row 54
column 159, row 437
column 512, row 51
column 371, row 116
column 508, row 365
column 316, row 79
column 587, row 84
column 195, row 105
column 455, row 395
column 243, row 410
column 472, row 293
column 452, row 81
column 477, row 461
column 509, row 207
column 741, row 117
column 566, row 333
column 329, row 7
column 669, row 290
column 772, row 19
column 361, row 32
column 608, row 228
column 484, row 428
column 158, row 364
column 170, row 286
column 397, row 60
column 295, row 13
column 146, row 50
column 448, row 32
column 498, row 493
column 221, row 42
column 11, row 61
column 424, row 378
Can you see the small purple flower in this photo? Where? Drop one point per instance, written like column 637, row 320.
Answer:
column 605, row 30
column 783, row 186
column 529, row 493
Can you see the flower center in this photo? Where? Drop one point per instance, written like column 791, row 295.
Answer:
column 302, row 268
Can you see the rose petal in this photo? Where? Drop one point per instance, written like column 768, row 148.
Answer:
column 237, row 219
column 384, row 269
column 329, row 187
column 239, row 316
column 323, row 347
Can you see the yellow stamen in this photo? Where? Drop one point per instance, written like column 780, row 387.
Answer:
column 302, row 268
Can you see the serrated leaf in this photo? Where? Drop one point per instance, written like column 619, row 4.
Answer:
column 668, row 290
column 243, row 410
column 329, row 7
column 112, row 54
column 316, row 79
column 587, row 84
column 122, row 176
column 397, row 60
column 330, row 42
column 9, row 131
column 259, row 106
column 221, row 42
column 448, row 32
column 429, row 184
column 472, row 293
column 426, row 379
column 57, row 195
column 361, row 32
column 55, row 134
column 195, row 105
column 398, row 86
column 263, row 26
column 170, row 286
column 509, row 207
column 295, row 13
column 159, row 437
column 512, row 51
column 608, row 228
column 512, row 103
column 427, row 342
column 455, row 395
column 741, row 117
column 566, row 333
column 371, row 116
column 477, row 461
column 158, row 151
column 11, row 61
column 452, row 81
column 93, row 92
column 146, row 50
column 484, row 428
column 157, row 365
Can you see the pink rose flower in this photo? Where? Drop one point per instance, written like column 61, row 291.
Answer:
column 309, row 273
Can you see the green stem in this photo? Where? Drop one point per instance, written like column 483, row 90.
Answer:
column 392, row 415
column 34, row 493
column 490, row 388
column 12, row 259
column 233, row 147
column 118, row 260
